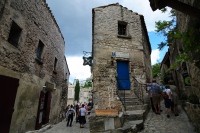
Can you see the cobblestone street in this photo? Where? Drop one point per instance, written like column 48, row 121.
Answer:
column 62, row 128
column 153, row 124
column 161, row 124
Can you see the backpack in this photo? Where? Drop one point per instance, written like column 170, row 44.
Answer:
column 70, row 112
column 164, row 95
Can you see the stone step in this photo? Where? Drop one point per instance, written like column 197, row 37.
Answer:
column 136, row 107
column 134, row 115
column 130, row 127
column 128, row 97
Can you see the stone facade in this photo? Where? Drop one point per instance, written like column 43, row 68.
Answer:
column 134, row 48
column 48, row 74
column 70, row 98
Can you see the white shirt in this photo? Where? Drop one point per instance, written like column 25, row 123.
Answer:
column 168, row 91
column 82, row 111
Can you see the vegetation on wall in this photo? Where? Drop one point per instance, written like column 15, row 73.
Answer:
column 190, row 39
column 77, row 90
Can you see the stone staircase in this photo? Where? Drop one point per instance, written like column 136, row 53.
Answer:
column 135, row 113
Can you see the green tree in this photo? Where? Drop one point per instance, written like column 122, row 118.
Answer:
column 166, row 28
column 190, row 39
column 87, row 84
column 155, row 69
column 77, row 90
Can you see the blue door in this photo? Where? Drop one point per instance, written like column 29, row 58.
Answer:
column 123, row 80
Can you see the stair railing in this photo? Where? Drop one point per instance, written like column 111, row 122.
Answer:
column 139, row 90
column 121, row 87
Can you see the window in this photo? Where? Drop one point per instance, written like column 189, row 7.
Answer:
column 14, row 35
column 122, row 28
column 39, row 50
column 55, row 63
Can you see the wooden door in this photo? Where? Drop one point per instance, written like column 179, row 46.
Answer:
column 8, row 88
column 43, row 109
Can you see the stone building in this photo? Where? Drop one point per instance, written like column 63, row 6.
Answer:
column 185, row 73
column 70, row 97
column 85, row 94
column 33, row 69
column 121, row 53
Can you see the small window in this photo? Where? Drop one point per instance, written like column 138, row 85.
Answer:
column 122, row 28
column 55, row 63
column 39, row 50
column 14, row 35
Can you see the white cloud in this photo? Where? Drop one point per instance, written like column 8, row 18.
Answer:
column 76, row 68
column 143, row 7
column 155, row 56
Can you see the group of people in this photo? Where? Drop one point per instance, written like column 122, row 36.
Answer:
column 79, row 111
column 167, row 92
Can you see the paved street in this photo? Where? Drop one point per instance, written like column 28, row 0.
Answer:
column 62, row 128
column 161, row 124
column 153, row 124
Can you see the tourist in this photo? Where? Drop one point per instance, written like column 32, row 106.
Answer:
column 168, row 100
column 77, row 113
column 155, row 93
column 70, row 115
column 174, row 91
column 82, row 116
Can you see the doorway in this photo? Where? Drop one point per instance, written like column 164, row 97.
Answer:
column 8, row 93
column 43, row 109
column 123, row 79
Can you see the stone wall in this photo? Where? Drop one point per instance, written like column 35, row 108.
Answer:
column 184, row 23
column 105, row 41
column 37, row 24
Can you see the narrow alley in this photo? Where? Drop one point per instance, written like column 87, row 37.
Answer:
column 153, row 124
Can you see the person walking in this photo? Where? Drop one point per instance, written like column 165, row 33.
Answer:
column 77, row 113
column 174, row 91
column 82, row 116
column 150, row 95
column 69, row 116
column 156, row 95
column 168, row 100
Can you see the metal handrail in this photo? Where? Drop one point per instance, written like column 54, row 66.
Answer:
column 139, row 90
column 122, row 100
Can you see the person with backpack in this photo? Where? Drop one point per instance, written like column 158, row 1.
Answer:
column 70, row 115
column 167, row 95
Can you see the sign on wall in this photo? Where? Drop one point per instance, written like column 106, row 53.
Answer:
column 120, row 54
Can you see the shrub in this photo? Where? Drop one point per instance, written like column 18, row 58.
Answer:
column 193, row 98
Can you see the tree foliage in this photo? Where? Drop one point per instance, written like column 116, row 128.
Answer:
column 77, row 90
column 166, row 28
column 87, row 84
column 156, row 70
column 190, row 39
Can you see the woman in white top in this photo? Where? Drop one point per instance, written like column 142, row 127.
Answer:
column 168, row 100
column 82, row 116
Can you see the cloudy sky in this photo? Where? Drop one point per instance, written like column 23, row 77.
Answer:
column 74, row 18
